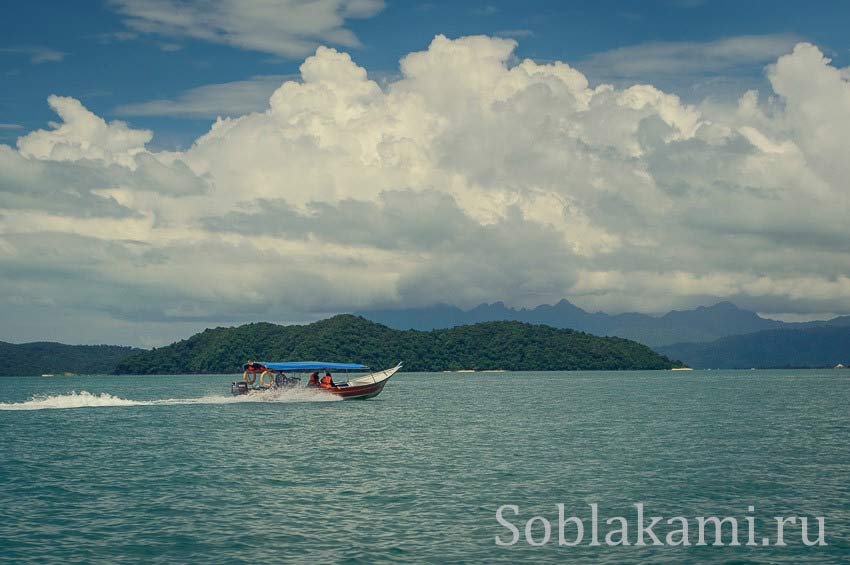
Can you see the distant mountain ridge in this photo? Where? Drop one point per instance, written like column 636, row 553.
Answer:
column 347, row 338
column 702, row 324
column 824, row 346
column 719, row 336
column 46, row 357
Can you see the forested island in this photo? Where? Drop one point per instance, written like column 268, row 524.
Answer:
column 346, row 338
column 43, row 357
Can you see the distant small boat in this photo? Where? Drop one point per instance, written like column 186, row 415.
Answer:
column 681, row 369
column 48, row 375
column 274, row 376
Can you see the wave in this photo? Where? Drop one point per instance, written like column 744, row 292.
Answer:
column 85, row 399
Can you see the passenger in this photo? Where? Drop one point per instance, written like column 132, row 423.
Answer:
column 327, row 381
column 314, row 380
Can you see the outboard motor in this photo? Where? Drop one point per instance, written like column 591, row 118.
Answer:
column 240, row 387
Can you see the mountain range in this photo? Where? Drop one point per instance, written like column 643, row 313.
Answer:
column 718, row 336
column 825, row 346
column 702, row 324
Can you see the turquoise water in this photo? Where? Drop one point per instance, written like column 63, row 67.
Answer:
column 172, row 469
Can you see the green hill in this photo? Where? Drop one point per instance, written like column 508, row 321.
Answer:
column 43, row 357
column 811, row 347
column 347, row 338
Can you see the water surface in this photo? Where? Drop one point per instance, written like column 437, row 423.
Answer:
column 172, row 469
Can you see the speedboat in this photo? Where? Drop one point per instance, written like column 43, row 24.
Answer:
column 261, row 376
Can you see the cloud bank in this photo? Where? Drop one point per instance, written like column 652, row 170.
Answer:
column 468, row 178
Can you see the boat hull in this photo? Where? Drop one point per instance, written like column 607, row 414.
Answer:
column 361, row 388
column 356, row 392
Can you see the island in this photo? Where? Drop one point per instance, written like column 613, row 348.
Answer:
column 511, row 346
column 50, row 359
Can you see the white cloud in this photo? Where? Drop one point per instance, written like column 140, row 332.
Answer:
column 212, row 100
column 487, row 10
column 518, row 33
column 672, row 58
column 83, row 135
column 288, row 28
column 466, row 178
column 112, row 37
column 817, row 110
column 36, row 53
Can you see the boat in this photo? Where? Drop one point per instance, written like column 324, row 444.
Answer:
column 260, row 377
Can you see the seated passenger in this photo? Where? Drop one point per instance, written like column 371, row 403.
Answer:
column 314, row 380
column 327, row 381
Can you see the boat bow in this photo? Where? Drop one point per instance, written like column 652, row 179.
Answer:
column 367, row 386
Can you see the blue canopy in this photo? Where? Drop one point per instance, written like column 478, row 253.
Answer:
column 295, row 366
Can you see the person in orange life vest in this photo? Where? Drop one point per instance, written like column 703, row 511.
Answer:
column 314, row 380
column 327, row 381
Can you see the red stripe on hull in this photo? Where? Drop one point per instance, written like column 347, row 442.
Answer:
column 354, row 392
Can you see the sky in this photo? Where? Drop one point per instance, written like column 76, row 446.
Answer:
column 167, row 166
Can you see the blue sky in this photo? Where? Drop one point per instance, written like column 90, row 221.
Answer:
column 628, row 156
column 85, row 50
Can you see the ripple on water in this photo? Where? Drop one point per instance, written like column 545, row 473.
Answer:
column 171, row 469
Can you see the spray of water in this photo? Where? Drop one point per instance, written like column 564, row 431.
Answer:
column 86, row 399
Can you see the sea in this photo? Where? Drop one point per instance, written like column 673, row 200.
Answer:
column 172, row 469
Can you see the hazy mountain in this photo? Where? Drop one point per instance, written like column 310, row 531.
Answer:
column 43, row 357
column 347, row 338
column 840, row 321
column 824, row 346
column 702, row 324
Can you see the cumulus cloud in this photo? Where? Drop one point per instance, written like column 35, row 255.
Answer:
column 288, row 28
column 469, row 177
column 83, row 135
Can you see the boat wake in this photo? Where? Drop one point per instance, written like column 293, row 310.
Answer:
column 84, row 399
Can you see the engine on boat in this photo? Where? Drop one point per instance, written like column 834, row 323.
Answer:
column 274, row 381
column 283, row 380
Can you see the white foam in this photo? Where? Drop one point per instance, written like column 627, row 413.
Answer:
column 86, row 399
